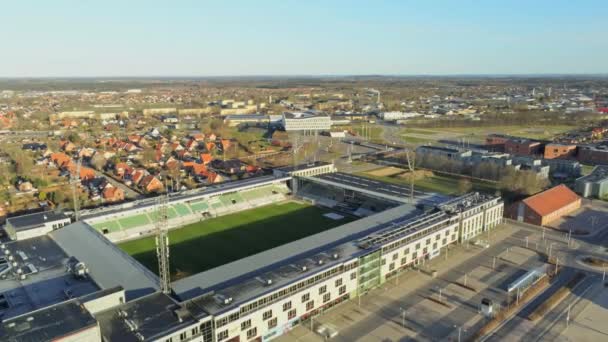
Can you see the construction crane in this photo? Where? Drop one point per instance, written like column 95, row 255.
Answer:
column 75, row 182
column 162, row 242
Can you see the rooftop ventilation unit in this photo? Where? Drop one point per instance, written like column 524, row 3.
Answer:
column 264, row 281
column 131, row 324
column 222, row 300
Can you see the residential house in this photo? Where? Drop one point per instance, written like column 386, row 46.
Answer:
column 151, row 184
column 113, row 194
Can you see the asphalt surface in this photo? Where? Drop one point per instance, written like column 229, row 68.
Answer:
column 585, row 245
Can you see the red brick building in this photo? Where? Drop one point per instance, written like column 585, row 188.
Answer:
column 563, row 151
column 496, row 142
column 547, row 206
column 523, row 147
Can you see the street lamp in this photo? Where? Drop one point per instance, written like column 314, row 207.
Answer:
column 402, row 317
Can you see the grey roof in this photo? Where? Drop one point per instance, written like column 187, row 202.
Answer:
column 376, row 188
column 47, row 281
column 598, row 174
column 152, row 316
column 299, row 167
column 109, row 266
column 48, row 324
column 236, row 272
column 35, row 220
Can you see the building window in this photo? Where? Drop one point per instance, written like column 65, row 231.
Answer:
column 322, row 289
column 353, row 276
column 391, row 266
column 415, row 255
column 403, row 260
column 194, row 331
column 183, row 336
column 286, row 306
column 326, row 297
column 272, row 323
column 310, row 305
column 395, row 256
column 305, row 297
column 428, row 242
column 342, row 290
column 291, row 314
column 417, row 246
column 338, row 282
column 434, row 245
column 425, row 250
column 222, row 335
column 251, row 333
column 406, row 251
column 266, row 315
column 246, row 324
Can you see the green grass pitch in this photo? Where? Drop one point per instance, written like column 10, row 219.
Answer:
column 214, row 242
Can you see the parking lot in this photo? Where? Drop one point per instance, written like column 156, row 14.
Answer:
column 589, row 219
column 417, row 306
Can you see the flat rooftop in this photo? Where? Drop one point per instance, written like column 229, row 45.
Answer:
column 599, row 173
column 46, row 282
column 149, row 315
column 395, row 192
column 108, row 265
column 243, row 279
column 52, row 323
column 29, row 221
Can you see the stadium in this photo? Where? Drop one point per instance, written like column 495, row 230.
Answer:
column 249, row 259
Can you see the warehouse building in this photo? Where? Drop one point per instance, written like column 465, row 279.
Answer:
column 306, row 121
column 547, row 206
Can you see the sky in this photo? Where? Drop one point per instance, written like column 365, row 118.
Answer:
column 41, row 38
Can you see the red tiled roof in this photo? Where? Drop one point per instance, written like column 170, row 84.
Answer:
column 551, row 200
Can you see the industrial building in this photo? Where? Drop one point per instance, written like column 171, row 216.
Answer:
column 306, row 121
column 547, row 206
column 595, row 184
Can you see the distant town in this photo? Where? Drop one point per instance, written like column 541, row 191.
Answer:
column 302, row 208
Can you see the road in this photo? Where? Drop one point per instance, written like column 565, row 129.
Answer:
column 589, row 245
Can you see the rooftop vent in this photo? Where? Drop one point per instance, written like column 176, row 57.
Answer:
column 222, row 300
column 131, row 324
column 335, row 256
column 264, row 281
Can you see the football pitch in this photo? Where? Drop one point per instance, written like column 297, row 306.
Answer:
column 204, row 245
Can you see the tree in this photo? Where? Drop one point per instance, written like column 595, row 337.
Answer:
column 464, row 186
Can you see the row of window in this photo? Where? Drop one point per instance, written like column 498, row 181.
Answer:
column 294, row 288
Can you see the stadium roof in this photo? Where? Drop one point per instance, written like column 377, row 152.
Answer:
column 546, row 202
column 238, row 271
column 109, row 266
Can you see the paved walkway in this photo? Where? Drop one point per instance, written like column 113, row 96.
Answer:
column 401, row 308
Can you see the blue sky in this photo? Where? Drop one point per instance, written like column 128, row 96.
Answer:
column 305, row 37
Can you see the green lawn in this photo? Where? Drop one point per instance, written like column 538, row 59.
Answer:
column 214, row 242
column 479, row 132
